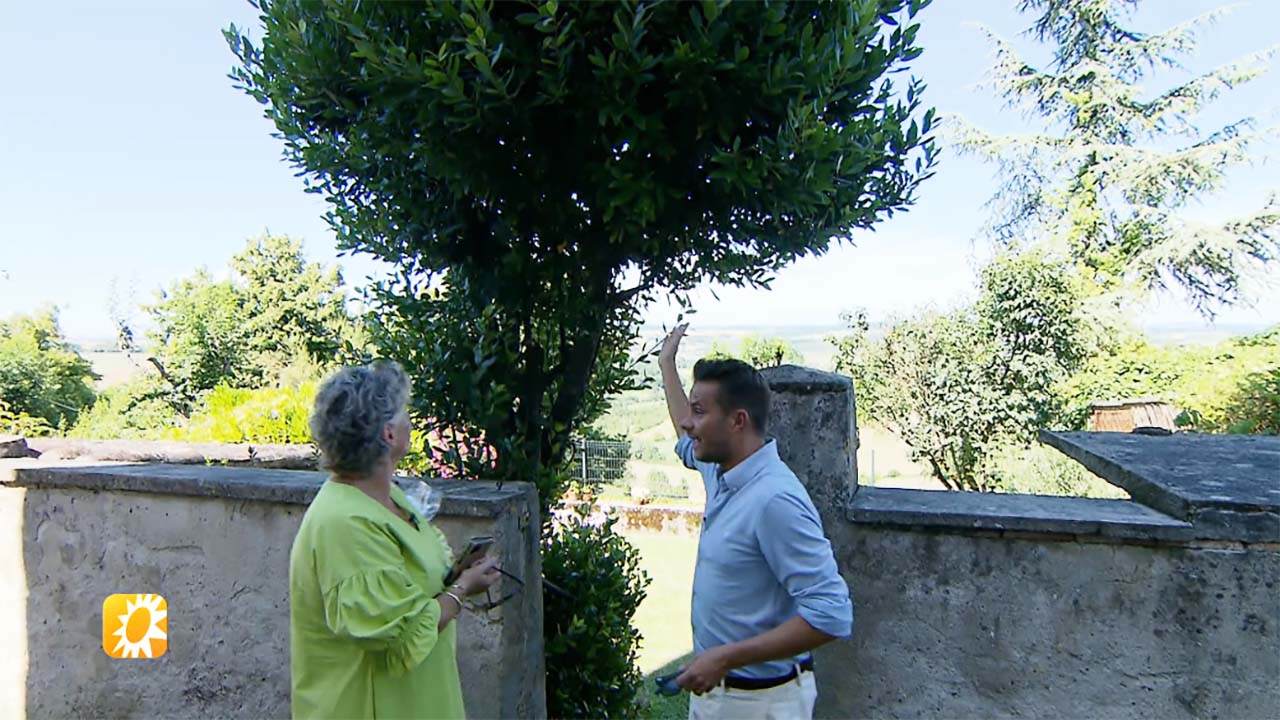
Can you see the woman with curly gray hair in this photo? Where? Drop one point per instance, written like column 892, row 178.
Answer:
column 370, row 619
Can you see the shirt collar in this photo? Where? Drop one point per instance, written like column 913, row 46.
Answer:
column 746, row 471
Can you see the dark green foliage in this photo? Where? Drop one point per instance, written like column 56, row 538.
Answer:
column 601, row 573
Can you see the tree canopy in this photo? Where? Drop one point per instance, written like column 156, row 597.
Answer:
column 1107, row 180
column 538, row 170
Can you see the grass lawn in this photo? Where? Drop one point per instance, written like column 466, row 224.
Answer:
column 664, row 707
column 663, row 617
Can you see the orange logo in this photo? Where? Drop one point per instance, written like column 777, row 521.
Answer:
column 135, row 626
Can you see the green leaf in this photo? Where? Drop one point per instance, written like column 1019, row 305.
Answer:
column 710, row 10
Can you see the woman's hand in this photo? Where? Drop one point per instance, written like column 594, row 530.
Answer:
column 478, row 577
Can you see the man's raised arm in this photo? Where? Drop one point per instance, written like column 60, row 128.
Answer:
column 677, row 401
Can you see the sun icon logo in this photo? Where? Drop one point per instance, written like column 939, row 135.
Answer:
column 135, row 626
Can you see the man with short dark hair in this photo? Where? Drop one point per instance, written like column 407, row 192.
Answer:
column 766, row 590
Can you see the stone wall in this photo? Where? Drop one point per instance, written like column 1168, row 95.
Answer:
column 215, row 543
column 970, row 605
column 970, row 624
column 668, row 520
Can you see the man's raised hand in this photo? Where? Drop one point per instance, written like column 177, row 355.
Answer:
column 671, row 345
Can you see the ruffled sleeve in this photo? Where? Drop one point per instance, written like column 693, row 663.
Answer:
column 384, row 610
column 369, row 596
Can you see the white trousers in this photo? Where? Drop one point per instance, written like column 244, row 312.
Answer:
column 788, row 701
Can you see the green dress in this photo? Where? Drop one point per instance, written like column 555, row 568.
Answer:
column 363, row 614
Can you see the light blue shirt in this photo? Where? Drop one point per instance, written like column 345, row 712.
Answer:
column 762, row 558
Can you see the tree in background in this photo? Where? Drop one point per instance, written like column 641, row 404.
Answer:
column 1106, row 182
column 276, row 312
column 1100, row 191
column 760, row 352
column 964, row 387
column 200, row 335
column 144, row 408
column 44, row 382
column 1220, row 387
column 1254, row 409
column 538, row 171
column 291, row 306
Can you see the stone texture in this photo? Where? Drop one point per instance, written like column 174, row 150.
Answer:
column 656, row 518
column 799, row 380
column 1227, row 486
column 1074, row 517
column 287, row 457
column 812, row 418
column 13, row 446
column 471, row 499
column 77, row 535
column 948, row 625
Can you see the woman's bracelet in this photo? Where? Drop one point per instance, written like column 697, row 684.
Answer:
column 455, row 599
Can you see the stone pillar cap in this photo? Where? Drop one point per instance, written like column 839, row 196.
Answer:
column 798, row 379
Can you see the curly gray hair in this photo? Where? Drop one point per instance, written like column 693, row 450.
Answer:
column 351, row 408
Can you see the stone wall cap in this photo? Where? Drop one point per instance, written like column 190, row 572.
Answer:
column 1228, row 486
column 796, row 378
column 1126, row 402
column 294, row 487
column 1086, row 517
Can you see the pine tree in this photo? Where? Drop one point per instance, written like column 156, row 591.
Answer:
column 1106, row 181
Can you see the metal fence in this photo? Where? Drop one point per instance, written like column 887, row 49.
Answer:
column 607, row 467
column 600, row 462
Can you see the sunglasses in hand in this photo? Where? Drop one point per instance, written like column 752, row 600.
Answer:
column 489, row 603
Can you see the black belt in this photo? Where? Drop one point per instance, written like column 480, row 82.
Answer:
column 738, row 683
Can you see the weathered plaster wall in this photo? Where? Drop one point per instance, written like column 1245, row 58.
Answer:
column 218, row 551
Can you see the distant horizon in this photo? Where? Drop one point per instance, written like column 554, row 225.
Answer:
column 1155, row 331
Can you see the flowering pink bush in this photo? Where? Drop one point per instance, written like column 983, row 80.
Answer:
column 440, row 451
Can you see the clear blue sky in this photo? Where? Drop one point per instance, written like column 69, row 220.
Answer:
column 129, row 160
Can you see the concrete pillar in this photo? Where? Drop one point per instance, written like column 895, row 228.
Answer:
column 813, row 419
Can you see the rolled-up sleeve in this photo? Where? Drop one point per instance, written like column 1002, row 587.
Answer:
column 684, row 451
column 800, row 556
